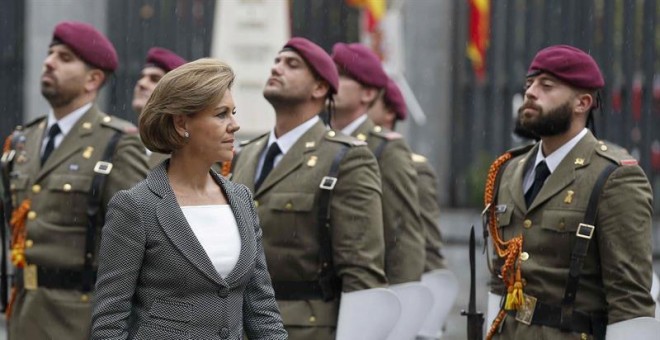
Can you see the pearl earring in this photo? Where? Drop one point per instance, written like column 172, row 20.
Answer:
column 186, row 134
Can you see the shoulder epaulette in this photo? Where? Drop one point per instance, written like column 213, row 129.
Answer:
column 614, row 153
column 418, row 158
column 249, row 141
column 385, row 134
column 337, row 137
column 515, row 152
column 32, row 122
column 118, row 124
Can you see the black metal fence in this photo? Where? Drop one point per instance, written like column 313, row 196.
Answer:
column 12, row 34
column 183, row 26
column 622, row 35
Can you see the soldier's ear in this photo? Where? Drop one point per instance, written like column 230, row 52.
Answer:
column 321, row 89
column 584, row 102
column 94, row 80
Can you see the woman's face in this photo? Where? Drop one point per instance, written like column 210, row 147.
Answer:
column 211, row 131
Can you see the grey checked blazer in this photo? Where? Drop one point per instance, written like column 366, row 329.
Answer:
column 155, row 280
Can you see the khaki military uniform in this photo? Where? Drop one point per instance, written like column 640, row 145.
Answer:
column 616, row 275
column 287, row 204
column 57, row 220
column 429, row 210
column 404, row 233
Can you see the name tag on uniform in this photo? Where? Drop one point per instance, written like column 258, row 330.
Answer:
column 30, row 277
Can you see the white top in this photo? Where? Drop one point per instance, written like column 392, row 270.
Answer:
column 217, row 232
column 350, row 128
column 285, row 142
column 66, row 124
column 553, row 159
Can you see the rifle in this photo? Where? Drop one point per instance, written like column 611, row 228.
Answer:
column 475, row 319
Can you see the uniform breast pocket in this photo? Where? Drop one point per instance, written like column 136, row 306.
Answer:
column 68, row 193
column 559, row 227
column 291, row 211
column 503, row 214
column 18, row 186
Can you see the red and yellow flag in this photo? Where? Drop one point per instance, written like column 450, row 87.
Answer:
column 479, row 35
column 374, row 11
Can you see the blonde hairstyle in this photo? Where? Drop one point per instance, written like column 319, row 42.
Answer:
column 186, row 90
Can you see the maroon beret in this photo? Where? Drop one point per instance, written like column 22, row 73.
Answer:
column 164, row 58
column 569, row 64
column 360, row 63
column 394, row 99
column 87, row 43
column 317, row 58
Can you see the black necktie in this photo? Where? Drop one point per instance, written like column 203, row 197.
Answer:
column 541, row 173
column 269, row 162
column 50, row 146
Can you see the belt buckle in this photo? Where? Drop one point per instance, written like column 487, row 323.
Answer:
column 102, row 167
column 30, row 277
column 328, row 183
column 525, row 313
column 585, row 231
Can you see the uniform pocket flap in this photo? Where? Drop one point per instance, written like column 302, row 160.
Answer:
column 19, row 182
column 503, row 213
column 291, row 201
column 69, row 182
column 171, row 310
column 562, row 221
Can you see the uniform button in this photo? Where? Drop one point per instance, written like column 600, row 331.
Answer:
column 107, row 119
column 603, row 147
column 562, row 225
column 331, row 133
column 312, row 319
column 256, row 204
column 223, row 293
column 32, row 215
column 12, row 187
column 527, row 224
column 224, row 333
column 584, row 336
column 378, row 129
column 288, row 206
column 84, row 298
column 524, row 282
column 524, row 256
column 36, row 188
column 29, row 243
column 66, row 187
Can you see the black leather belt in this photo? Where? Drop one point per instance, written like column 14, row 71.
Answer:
column 550, row 316
column 55, row 278
column 297, row 290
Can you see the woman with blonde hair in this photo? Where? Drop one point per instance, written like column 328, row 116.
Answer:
column 181, row 254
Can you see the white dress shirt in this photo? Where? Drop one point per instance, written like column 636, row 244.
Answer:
column 66, row 124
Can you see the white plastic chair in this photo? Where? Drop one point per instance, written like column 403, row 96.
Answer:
column 444, row 287
column 416, row 302
column 368, row 314
column 638, row 328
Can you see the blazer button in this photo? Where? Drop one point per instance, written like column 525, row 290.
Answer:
column 223, row 293
column 224, row 333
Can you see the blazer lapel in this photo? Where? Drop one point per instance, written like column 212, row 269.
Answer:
column 294, row 157
column 564, row 175
column 245, row 230
column 73, row 142
column 176, row 227
column 516, row 188
column 250, row 156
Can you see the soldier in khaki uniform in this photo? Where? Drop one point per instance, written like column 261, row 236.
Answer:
column 68, row 162
column 360, row 82
column 572, row 266
column 159, row 61
column 312, row 255
column 389, row 108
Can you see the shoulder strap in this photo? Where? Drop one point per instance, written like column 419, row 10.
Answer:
column 380, row 148
column 330, row 285
column 583, row 235
column 101, row 171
